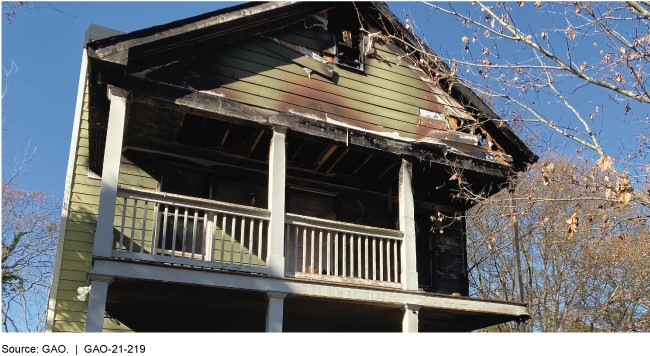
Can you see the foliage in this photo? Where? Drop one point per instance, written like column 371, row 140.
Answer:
column 584, row 258
column 29, row 231
column 564, row 70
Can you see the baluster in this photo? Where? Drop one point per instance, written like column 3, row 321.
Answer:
column 329, row 254
column 359, row 256
column 154, row 233
column 336, row 254
column 381, row 259
column 388, row 255
column 210, row 235
column 345, row 260
column 223, row 237
column 184, row 233
column 174, row 231
column 242, row 239
column 121, row 246
column 351, row 255
column 250, row 242
column 260, row 241
column 295, row 249
column 395, row 264
column 194, row 227
column 311, row 250
column 144, row 225
column 374, row 258
column 320, row 251
column 134, row 218
column 164, row 229
column 366, row 256
column 233, row 229
column 304, row 249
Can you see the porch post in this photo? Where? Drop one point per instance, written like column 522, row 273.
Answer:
column 277, row 183
column 407, row 226
column 410, row 321
column 97, row 304
column 111, row 168
column 275, row 311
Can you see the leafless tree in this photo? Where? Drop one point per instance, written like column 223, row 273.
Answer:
column 584, row 259
column 29, row 231
column 581, row 67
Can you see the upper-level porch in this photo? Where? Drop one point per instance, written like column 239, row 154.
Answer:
column 278, row 210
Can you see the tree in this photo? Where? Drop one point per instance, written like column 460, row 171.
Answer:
column 570, row 69
column 29, row 232
column 584, row 259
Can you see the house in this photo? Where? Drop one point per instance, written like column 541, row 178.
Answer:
column 274, row 166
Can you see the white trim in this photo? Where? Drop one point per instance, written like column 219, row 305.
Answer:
column 72, row 158
column 183, row 261
column 97, row 303
column 103, row 240
column 348, row 280
column 407, row 226
column 275, row 312
column 410, row 321
column 276, row 203
column 134, row 270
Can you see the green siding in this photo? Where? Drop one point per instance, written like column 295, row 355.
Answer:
column 387, row 97
column 70, row 314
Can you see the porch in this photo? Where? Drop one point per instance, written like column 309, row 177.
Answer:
column 172, row 229
column 248, row 206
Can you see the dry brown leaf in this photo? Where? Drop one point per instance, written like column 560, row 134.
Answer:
column 625, row 198
column 609, row 192
column 572, row 223
column 604, row 162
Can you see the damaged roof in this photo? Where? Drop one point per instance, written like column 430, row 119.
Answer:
column 171, row 52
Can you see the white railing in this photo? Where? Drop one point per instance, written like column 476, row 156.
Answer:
column 341, row 252
column 170, row 228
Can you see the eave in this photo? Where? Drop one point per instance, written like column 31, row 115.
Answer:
column 491, row 122
column 157, row 45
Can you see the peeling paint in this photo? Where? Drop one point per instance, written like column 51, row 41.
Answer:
column 144, row 73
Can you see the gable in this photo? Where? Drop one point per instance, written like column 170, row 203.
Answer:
column 296, row 70
column 324, row 65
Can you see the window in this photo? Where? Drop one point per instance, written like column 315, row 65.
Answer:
column 349, row 49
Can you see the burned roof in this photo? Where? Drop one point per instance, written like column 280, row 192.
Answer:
column 161, row 52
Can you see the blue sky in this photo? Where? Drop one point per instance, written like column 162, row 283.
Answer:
column 44, row 40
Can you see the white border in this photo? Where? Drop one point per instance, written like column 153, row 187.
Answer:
column 72, row 158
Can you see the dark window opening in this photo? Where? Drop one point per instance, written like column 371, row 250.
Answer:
column 349, row 46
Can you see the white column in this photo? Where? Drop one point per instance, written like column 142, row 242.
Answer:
column 407, row 226
column 277, row 183
column 97, row 304
column 275, row 312
column 110, row 172
column 410, row 321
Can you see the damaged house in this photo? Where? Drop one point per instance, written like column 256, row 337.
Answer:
column 274, row 167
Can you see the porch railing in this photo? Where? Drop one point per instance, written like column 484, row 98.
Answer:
column 176, row 229
column 342, row 252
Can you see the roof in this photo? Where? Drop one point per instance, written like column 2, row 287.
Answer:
column 158, row 45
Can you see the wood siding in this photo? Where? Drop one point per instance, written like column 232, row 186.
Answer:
column 70, row 314
column 386, row 97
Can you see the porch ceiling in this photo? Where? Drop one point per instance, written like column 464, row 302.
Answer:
column 164, row 307
column 192, row 137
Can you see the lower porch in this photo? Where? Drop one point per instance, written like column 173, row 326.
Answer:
column 154, row 298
